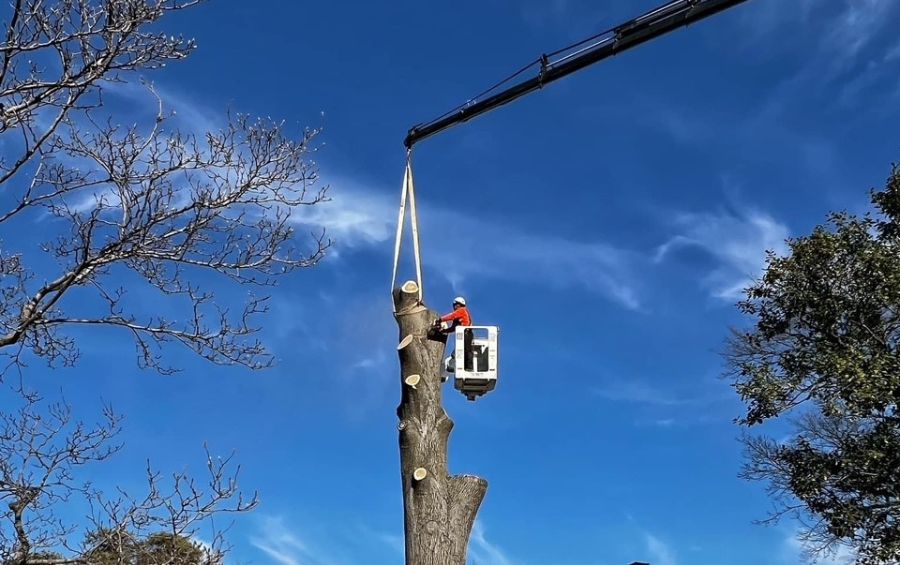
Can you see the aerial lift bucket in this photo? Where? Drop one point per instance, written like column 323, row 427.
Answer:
column 476, row 355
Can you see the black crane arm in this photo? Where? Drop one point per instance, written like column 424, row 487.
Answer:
column 559, row 64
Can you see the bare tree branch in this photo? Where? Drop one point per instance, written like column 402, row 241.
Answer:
column 151, row 203
column 42, row 452
column 56, row 55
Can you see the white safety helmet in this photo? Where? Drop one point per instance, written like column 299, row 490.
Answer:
column 459, row 300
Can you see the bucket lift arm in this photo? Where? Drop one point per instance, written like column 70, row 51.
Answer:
column 554, row 66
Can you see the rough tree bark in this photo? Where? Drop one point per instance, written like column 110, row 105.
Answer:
column 439, row 510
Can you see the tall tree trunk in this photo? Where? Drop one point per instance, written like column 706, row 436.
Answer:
column 439, row 510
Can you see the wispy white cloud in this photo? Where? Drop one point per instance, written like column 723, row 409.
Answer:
column 484, row 552
column 282, row 546
column 766, row 17
column 680, row 124
column 660, row 552
column 481, row 550
column 635, row 391
column 844, row 27
column 841, row 58
column 355, row 216
column 857, row 26
column 737, row 241
column 487, row 248
column 667, row 407
column 848, row 44
column 893, row 54
column 479, row 247
column 139, row 103
column 85, row 201
column 134, row 102
column 491, row 249
column 377, row 359
column 393, row 541
column 854, row 47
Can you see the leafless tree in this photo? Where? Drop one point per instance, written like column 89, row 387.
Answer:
column 56, row 57
column 135, row 204
column 45, row 455
column 124, row 206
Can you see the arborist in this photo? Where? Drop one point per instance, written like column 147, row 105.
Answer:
column 448, row 323
column 458, row 317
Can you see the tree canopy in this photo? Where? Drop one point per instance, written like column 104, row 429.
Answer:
column 822, row 354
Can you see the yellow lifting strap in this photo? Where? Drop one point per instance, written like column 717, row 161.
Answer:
column 408, row 192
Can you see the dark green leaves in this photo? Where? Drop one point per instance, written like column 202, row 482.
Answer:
column 823, row 349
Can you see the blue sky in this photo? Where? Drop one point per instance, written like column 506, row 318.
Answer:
column 607, row 224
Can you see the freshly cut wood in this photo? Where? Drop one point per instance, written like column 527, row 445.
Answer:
column 405, row 342
column 413, row 380
column 420, row 473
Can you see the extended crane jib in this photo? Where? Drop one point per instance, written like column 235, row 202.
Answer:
column 653, row 24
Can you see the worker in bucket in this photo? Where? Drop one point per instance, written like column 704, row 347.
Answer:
column 447, row 324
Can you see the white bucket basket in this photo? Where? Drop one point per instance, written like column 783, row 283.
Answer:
column 476, row 368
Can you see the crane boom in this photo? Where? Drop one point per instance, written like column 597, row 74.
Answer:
column 564, row 62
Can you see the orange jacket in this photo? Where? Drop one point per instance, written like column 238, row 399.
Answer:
column 460, row 315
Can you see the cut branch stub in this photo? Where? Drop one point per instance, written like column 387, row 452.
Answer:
column 420, row 473
column 413, row 380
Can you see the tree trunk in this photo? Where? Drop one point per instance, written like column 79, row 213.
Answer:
column 439, row 510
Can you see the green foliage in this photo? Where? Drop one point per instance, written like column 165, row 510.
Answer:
column 824, row 349
column 164, row 548
column 108, row 547
column 39, row 557
column 46, row 556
